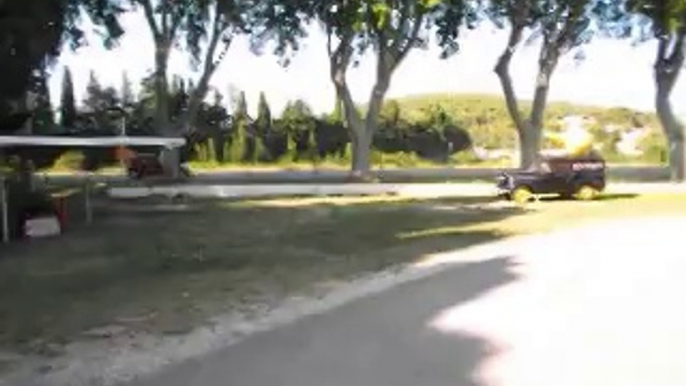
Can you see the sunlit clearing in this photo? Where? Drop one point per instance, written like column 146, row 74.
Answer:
column 595, row 306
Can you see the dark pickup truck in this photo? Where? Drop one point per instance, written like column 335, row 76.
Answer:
column 579, row 177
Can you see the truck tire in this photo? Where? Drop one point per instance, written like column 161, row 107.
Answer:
column 522, row 194
column 586, row 192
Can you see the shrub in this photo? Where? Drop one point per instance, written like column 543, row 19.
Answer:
column 70, row 160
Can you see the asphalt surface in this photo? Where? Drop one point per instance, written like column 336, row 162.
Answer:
column 411, row 190
column 600, row 305
column 408, row 175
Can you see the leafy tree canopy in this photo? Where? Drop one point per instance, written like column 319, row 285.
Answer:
column 33, row 33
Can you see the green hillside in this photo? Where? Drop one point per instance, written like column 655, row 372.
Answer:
column 486, row 119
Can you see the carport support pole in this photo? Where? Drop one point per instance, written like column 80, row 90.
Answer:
column 5, row 210
column 87, row 200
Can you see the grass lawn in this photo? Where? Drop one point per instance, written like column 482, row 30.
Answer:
column 164, row 268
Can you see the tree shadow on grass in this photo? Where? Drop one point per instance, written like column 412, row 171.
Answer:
column 185, row 267
column 602, row 197
column 616, row 196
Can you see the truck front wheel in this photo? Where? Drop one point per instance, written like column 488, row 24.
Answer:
column 586, row 193
column 522, row 195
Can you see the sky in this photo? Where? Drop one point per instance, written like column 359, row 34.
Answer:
column 614, row 73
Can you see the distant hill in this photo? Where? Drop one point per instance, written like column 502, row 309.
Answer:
column 485, row 116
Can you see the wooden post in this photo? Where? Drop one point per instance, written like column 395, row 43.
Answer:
column 87, row 200
column 5, row 210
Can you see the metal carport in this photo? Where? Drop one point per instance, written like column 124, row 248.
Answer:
column 53, row 141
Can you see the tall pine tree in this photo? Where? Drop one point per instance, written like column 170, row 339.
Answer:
column 67, row 101
column 240, row 146
column 127, row 97
column 264, row 115
column 93, row 100
column 98, row 103
column 263, row 128
column 179, row 95
column 43, row 119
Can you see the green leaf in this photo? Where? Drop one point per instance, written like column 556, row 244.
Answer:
column 380, row 11
column 430, row 3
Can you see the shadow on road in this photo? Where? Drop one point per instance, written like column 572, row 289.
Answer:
column 381, row 340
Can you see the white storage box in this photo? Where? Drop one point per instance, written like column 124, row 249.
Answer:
column 42, row 227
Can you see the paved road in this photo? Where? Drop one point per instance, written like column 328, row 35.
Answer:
column 641, row 173
column 595, row 306
column 416, row 190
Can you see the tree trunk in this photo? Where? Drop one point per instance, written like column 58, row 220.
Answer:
column 361, row 129
column 529, row 146
column 162, row 87
column 677, row 155
column 667, row 69
column 533, row 129
column 363, row 139
column 361, row 148
column 529, row 129
column 169, row 158
column 357, row 127
column 674, row 131
column 502, row 69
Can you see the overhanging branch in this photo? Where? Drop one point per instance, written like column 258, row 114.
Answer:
column 402, row 26
column 150, row 18
column 166, row 10
column 412, row 39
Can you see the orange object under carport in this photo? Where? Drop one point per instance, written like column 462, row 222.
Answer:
column 60, row 205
